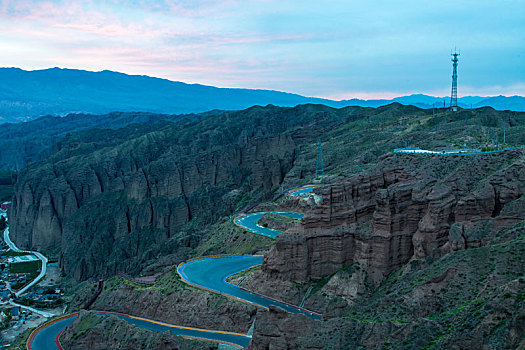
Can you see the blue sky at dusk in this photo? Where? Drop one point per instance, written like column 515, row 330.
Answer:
column 333, row 49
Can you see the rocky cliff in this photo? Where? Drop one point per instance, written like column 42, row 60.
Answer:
column 115, row 204
column 408, row 207
column 112, row 199
column 458, row 284
column 468, row 299
column 109, row 200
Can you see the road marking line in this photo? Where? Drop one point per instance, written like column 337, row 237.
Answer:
column 172, row 325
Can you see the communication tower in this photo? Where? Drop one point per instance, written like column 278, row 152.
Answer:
column 454, row 94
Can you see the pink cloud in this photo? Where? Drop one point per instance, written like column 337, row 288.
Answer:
column 364, row 95
column 80, row 16
column 185, row 8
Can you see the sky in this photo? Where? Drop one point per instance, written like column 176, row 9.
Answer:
column 333, row 49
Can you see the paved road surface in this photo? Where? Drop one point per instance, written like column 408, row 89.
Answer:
column 249, row 222
column 211, row 273
column 42, row 258
column 302, row 190
column 45, row 337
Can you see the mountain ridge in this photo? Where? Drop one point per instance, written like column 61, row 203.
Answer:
column 26, row 95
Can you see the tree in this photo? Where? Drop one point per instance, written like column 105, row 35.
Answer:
column 3, row 223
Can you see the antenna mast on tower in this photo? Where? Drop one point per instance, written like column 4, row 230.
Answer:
column 454, row 93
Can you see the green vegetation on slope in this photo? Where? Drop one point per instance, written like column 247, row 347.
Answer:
column 112, row 332
column 7, row 182
column 478, row 291
column 277, row 222
column 228, row 238
column 31, row 267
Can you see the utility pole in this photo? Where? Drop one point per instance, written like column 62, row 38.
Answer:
column 319, row 166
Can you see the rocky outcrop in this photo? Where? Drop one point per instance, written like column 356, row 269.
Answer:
column 113, row 200
column 278, row 329
column 276, row 222
column 408, row 207
column 106, row 200
column 113, row 208
column 499, row 325
column 467, row 299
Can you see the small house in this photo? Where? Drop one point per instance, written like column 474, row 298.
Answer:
column 5, row 205
column 15, row 313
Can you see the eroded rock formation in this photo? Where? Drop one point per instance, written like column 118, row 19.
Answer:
column 408, row 207
column 112, row 208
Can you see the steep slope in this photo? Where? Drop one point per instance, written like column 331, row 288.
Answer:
column 139, row 197
column 404, row 251
column 468, row 299
column 419, row 252
column 110, row 200
column 130, row 192
column 408, row 207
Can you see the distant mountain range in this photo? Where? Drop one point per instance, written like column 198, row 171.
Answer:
column 25, row 95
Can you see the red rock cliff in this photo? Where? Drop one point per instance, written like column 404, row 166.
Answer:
column 408, row 207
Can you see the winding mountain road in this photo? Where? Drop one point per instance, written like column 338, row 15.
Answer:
column 41, row 275
column 42, row 258
column 46, row 337
column 249, row 222
column 303, row 190
column 208, row 273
